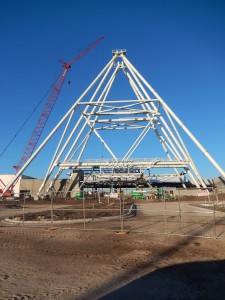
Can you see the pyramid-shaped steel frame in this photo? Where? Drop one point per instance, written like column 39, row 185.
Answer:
column 147, row 112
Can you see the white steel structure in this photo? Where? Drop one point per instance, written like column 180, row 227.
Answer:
column 95, row 112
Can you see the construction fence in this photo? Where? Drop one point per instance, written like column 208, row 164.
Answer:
column 184, row 212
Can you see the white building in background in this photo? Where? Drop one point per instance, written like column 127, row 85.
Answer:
column 27, row 185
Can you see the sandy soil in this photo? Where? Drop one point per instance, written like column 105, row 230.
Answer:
column 70, row 264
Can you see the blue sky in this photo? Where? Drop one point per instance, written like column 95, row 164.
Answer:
column 178, row 46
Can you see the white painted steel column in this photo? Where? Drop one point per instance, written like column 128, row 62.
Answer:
column 154, row 107
column 79, row 121
column 130, row 67
column 54, row 156
column 104, row 94
column 106, row 70
column 203, row 150
column 164, row 145
column 185, row 149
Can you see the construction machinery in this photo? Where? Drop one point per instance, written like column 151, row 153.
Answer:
column 38, row 129
column 8, row 193
column 49, row 106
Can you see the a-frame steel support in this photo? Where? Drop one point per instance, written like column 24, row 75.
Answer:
column 94, row 113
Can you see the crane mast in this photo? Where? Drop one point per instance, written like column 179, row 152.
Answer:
column 49, row 106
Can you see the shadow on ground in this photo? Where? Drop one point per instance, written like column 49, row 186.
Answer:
column 198, row 280
column 194, row 280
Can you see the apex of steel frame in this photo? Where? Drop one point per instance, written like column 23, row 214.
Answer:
column 98, row 119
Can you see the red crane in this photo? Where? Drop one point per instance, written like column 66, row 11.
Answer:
column 8, row 193
column 49, row 106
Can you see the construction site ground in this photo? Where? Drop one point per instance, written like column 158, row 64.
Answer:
column 62, row 263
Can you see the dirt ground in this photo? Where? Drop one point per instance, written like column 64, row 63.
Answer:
column 92, row 210
column 69, row 264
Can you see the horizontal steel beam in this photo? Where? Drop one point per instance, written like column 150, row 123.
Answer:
column 99, row 103
column 123, row 164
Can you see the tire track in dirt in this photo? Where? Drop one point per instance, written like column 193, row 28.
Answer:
column 107, row 257
column 46, row 233
column 64, row 264
column 19, row 297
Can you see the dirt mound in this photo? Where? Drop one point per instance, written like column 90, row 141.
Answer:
column 76, row 211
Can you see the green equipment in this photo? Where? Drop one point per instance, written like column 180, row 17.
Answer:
column 79, row 195
column 139, row 194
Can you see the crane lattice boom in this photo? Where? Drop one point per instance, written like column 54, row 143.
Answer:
column 49, row 106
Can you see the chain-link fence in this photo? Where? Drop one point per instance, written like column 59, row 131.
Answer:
column 186, row 212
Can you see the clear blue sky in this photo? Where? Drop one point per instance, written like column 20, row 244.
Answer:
column 178, row 46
